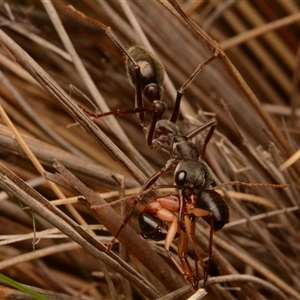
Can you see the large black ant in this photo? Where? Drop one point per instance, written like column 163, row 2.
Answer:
column 170, row 216
column 167, row 217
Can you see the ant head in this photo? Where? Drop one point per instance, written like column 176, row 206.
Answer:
column 192, row 176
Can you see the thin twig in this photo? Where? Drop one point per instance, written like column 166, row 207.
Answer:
column 14, row 185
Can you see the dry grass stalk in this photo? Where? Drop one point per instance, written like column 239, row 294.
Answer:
column 256, row 134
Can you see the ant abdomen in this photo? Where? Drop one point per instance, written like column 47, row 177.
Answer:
column 152, row 69
column 212, row 201
column 152, row 72
column 152, row 227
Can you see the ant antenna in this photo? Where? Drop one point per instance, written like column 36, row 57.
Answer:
column 252, row 184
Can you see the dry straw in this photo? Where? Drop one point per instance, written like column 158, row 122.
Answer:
column 251, row 88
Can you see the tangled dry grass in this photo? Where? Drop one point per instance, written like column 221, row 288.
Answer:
column 256, row 255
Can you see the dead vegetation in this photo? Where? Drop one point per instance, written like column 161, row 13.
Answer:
column 256, row 255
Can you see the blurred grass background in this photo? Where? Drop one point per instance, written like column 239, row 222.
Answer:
column 243, row 148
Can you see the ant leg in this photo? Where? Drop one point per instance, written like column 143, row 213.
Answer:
column 138, row 85
column 146, row 185
column 165, row 213
column 167, row 216
column 212, row 124
column 139, row 99
column 157, row 108
column 160, row 107
column 138, row 92
column 175, row 113
column 195, row 132
column 119, row 112
column 191, row 276
column 207, row 139
column 197, row 256
column 210, row 245
column 205, row 266
column 190, row 230
column 125, row 222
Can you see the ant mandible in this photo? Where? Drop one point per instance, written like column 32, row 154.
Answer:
column 167, row 217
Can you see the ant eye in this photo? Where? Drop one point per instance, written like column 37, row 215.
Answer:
column 180, row 178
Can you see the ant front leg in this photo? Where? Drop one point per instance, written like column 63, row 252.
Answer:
column 175, row 113
column 191, row 276
column 210, row 205
column 211, row 124
column 190, row 231
column 119, row 112
column 146, row 72
column 146, row 185
column 190, row 218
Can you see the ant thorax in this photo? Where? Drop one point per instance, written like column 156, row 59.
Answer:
column 184, row 148
column 164, row 134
